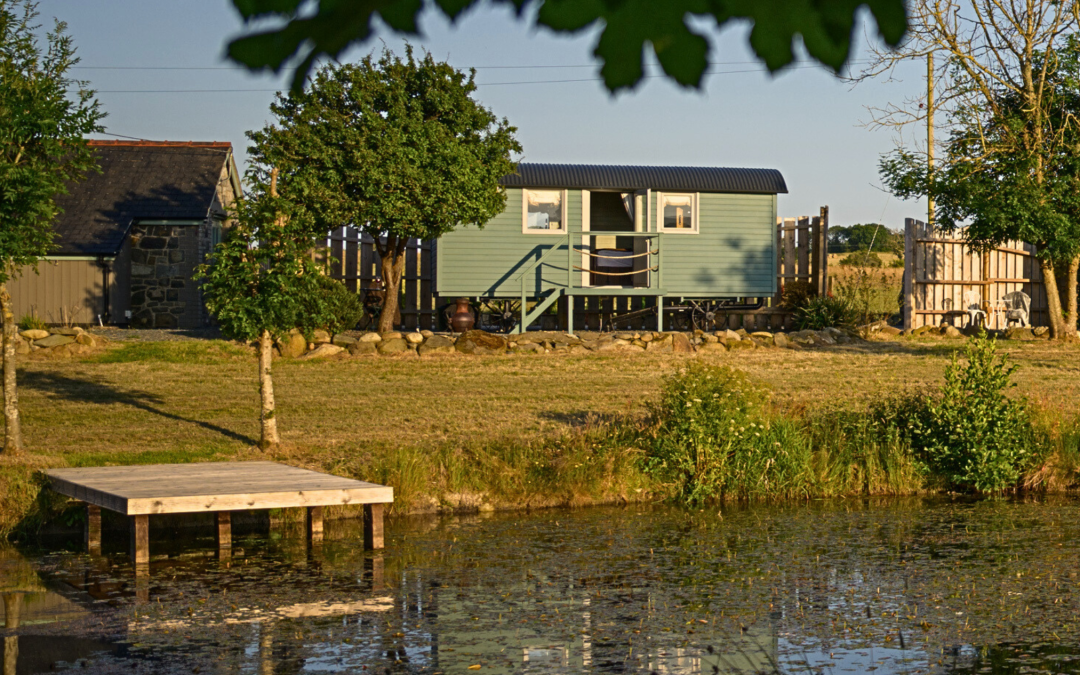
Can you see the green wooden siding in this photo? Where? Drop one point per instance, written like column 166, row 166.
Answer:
column 734, row 253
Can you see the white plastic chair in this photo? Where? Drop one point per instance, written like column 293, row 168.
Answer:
column 1017, row 308
column 973, row 306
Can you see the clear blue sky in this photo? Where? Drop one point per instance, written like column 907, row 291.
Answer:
column 804, row 122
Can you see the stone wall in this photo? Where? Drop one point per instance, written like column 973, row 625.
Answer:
column 163, row 259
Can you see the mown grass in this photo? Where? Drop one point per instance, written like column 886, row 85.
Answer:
column 458, row 431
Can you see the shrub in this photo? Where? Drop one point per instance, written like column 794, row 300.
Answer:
column 32, row 321
column 824, row 312
column 872, row 295
column 897, row 262
column 714, row 439
column 341, row 309
column 969, row 433
column 795, row 294
column 862, row 259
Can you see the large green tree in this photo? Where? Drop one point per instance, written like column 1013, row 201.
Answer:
column 44, row 117
column 675, row 30
column 1011, row 172
column 395, row 146
column 261, row 282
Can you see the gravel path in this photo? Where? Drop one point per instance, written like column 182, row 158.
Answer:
column 115, row 334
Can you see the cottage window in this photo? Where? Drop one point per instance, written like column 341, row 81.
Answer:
column 544, row 211
column 678, row 213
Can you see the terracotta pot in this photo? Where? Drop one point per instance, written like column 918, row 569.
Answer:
column 463, row 319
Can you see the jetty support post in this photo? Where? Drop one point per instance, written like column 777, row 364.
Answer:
column 92, row 533
column 224, row 533
column 315, row 524
column 140, row 539
column 373, row 526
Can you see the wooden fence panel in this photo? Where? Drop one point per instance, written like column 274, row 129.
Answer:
column 940, row 268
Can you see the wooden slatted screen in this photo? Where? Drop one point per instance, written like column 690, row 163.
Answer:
column 940, row 268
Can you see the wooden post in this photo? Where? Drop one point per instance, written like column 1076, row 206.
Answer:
column 224, row 532
column 12, row 609
column 11, row 654
column 93, row 529
column 140, row 539
column 821, row 251
column 910, row 233
column 315, row 524
column 373, row 567
column 373, row 526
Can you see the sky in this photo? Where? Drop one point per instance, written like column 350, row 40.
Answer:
column 160, row 71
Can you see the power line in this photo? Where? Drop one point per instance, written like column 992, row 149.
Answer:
column 478, row 84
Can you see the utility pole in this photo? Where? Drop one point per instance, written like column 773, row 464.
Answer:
column 930, row 132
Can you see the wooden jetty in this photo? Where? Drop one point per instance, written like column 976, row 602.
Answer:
column 215, row 487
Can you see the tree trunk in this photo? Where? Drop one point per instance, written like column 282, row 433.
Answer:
column 267, row 415
column 12, row 425
column 1070, row 296
column 392, row 262
column 1053, row 300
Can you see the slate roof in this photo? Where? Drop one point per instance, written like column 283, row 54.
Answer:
column 148, row 180
column 681, row 178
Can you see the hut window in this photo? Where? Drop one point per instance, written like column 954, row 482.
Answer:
column 544, row 211
column 678, row 213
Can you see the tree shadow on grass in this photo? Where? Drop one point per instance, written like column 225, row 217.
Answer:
column 60, row 387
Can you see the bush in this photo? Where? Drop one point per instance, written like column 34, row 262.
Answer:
column 872, row 295
column 825, row 312
column 795, row 294
column 714, row 439
column 340, row 308
column 969, row 433
column 862, row 259
column 32, row 322
column 897, row 262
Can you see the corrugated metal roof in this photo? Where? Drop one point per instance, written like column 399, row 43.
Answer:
column 683, row 178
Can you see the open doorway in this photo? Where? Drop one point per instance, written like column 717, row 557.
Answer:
column 616, row 260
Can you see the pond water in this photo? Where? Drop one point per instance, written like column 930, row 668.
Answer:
column 884, row 586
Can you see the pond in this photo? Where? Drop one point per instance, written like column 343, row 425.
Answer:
column 885, row 586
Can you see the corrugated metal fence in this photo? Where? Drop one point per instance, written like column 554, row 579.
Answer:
column 942, row 275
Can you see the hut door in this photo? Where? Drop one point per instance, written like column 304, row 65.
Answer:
column 641, row 244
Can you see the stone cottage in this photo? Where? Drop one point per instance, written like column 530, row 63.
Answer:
column 130, row 237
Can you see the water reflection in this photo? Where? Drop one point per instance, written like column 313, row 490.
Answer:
column 901, row 586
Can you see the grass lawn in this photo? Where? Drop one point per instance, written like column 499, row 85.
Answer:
column 449, row 424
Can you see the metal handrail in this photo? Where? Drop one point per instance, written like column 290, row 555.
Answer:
column 530, row 268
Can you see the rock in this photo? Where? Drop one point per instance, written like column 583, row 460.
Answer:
column 709, row 339
column 924, row 330
column 70, row 332
column 680, row 344
column 1017, row 333
column 393, row 346
column 59, row 352
column 359, row 348
column 370, row 337
column 343, row 341
column 622, row 335
column 647, row 337
column 392, row 335
column 35, row 334
column 764, row 338
column 1041, row 331
column 320, row 337
column 823, row 337
column 803, row 337
column 437, row 344
column 891, row 331
column 952, row 332
column 528, row 348
column 85, row 339
column 661, row 344
column 54, row 341
column 729, row 335
column 780, row 340
column 480, row 342
column 322, row 351
column 742, row 333
column 540, row 337
column 618, row 346
column 426, row 333
column 22, row 346
column 414, row 338
column 741, row 344
column 293, row 346
column 714, row 346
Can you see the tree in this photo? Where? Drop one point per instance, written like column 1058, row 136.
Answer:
column 673, row 28
column 42, row 129
column 261, row 282
column 1011, row 170
column 867, row 237
column 396, row 147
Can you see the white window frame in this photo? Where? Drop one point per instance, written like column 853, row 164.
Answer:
column 525, row 212
column 695, row 217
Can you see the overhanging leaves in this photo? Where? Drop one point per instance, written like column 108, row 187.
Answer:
column 630, row 28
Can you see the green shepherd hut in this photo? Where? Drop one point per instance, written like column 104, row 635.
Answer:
column 669, row 233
